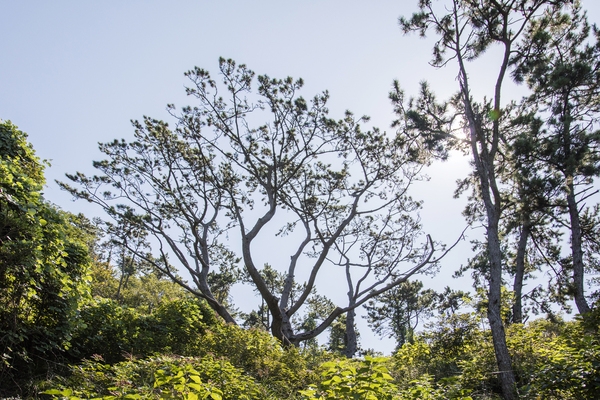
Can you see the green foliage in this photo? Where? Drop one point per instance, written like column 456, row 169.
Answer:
column 260, row 355
column 551, row 360
column 396, row 313
column 368, row 379
column 119, row 275
column 44, row 265
column 439, row 350
column 424, row 389
column 337, row 333
column 113, row 331
column 569, row 367
column 187, row 327
column 164, row 377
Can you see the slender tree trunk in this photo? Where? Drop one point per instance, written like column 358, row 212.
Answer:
column 483, row 157
column 517, row 308
column 506, row 375
column 577, row 252
column 505, row 371
column 121, row 282
column 350, row 339
column 576, row 235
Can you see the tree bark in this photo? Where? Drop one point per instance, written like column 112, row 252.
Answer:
column 505, row 371
column 517, row 308
column 484, row 158
column 577, row 252
column 350, row 339
column 576, row 234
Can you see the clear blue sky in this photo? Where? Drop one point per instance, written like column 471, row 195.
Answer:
column 73, row 73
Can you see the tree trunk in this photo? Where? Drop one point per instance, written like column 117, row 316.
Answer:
column 576, row 235
column 483, row 158
column 505, row 372
column 577, row 252
column 350, row 339
column 281, row 328
column 517, row 308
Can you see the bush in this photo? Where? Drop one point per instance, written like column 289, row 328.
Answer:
column 368, row 379
column 44, row 268
column 425, row 389
column 114, row 332
column 164, row 377
column 283, row 371
column 550, row 360
column 569, row 366
column 187, row 327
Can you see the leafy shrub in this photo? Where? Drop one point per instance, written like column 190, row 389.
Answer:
column 569, row 366
column 411, row 361
column 112, row 331
column 44, row 267
column 158, row 378
column 187, row 327
column 439, row 350
column 425, row 389
column 283, row 371
column 368, row 379
column 551, row 361
column 143, row 290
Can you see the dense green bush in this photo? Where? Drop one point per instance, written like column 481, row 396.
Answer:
column 425, row 388
column 44, row 267
column 142, row 290
column 439, row 351
column 370, row 379
column 114, row 332
column 551, row 360
column 186, row 327
column 569, row 366
column 283, row 371
column 163, row 377
column 367, row 379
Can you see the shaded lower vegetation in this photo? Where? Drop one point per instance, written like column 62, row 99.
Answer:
column 180, row 350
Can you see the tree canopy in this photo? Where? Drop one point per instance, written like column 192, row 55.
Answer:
column 263, row 165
